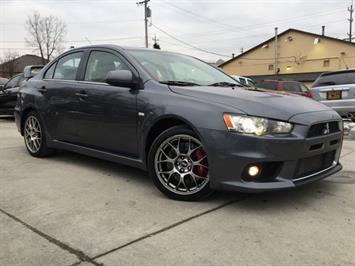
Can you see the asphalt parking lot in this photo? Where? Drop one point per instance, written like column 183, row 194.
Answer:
column 75, row 210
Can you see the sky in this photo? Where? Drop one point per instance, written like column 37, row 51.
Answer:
column 207, row 29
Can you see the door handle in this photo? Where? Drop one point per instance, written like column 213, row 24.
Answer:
column 81, row 94
column 42, row 89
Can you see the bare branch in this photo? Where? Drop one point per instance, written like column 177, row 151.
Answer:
column 46, row 34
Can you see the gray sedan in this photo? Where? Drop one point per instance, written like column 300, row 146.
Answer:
column 191, row 126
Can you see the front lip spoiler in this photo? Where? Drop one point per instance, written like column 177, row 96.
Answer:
column 279, row 184
column 317, row 173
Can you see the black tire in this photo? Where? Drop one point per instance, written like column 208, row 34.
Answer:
column 43, row 150
column 203, row 193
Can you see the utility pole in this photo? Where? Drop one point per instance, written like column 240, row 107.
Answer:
column 276, row 52
column 147, row 13
column 351, row 10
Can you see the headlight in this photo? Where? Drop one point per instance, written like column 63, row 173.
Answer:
column 256, row 125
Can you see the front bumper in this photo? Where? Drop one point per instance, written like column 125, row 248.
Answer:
column 230, row 153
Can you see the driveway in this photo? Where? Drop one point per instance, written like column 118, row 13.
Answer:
column 71, row 209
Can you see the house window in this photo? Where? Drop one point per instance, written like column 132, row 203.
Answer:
column 326, row 63
column 271, row 67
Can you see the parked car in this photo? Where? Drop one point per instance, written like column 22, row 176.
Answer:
column 8, row 94
column 244, row 80
column 337, row 90
column 192, row 127
column 3, row 82
column 294, row 87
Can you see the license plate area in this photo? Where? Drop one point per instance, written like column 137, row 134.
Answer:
column 334, row 95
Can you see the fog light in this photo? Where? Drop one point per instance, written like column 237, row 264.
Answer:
column 254, row 170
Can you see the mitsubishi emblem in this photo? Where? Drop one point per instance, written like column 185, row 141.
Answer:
column 326, row 129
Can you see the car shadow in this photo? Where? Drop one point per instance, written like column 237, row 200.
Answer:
column 308, row 194
column 127, row 173
column 7, row 118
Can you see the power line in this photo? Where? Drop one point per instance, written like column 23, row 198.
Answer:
column 187, row 44
column 254, row 26
column 205, row 18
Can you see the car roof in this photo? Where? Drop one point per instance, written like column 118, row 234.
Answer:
column 120, row 48
column 344, row 71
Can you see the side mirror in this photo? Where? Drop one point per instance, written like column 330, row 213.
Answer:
column 31, row 71
column 121, row 78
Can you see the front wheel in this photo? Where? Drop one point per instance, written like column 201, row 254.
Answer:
column 178, row 165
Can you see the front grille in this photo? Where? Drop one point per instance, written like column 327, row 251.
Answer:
column 314, row 164
column 323, row 129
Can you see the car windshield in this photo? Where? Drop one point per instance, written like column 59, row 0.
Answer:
column 181, row 70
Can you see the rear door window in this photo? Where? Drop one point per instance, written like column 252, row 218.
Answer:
column 67, row 66
column 339, row 78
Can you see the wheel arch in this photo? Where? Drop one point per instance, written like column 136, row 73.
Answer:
column 25, row 112
column 162, row 124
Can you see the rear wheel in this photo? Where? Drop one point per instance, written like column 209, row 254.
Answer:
column 178, row 164
column 34, row 136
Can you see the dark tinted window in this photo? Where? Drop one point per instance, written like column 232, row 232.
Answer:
column 50, row 72
column 13, row 82
column 251, row 82
column 339, row 78
column 270, row 85
column 22, row 79
column 294, row 87
column 100, row 63
column 67, row 66
column 243, row 81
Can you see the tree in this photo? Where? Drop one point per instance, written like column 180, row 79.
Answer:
column 8, row 63
column 46, row 34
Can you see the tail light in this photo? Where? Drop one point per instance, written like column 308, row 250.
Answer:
column 309, row 94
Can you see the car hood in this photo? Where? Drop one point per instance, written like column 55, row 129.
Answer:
column 255, row 102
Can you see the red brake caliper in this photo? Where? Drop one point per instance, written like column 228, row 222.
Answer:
column 201, row 171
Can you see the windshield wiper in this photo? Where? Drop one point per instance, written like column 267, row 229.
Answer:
column 225, row 84
column 179, row 83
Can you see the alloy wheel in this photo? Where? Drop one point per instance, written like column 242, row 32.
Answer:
column 33, row 134
column 181, row 165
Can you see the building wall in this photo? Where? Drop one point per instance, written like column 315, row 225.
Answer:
column 300, row 55
column 18, row 65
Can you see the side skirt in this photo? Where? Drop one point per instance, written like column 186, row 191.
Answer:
column 137, row 163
